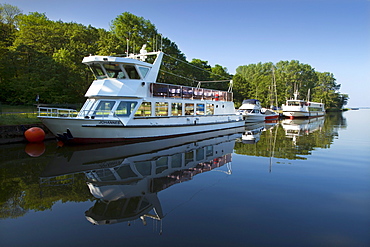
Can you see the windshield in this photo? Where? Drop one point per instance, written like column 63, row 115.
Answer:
column 97, row 70
column 114, row 71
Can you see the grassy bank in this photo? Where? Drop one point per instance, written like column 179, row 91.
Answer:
column 17, row 115
column 18, row 118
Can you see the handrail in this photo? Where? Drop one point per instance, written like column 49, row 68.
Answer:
column 71, row 113
column 187, row 92
column 56, row 112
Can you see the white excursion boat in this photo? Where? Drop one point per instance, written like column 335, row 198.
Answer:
column 295, row 108
column 125, row 103
column 252, row 111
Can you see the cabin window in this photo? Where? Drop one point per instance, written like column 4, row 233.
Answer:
column 97, row 71
column 144, row 167
column 105, row 175
column 176, row 160
column 161, row 109
column 189, row 157
column 199, row 154
column 209, row 151
column 114, row 71
column 131, row 72
column 125, row 108
column 200, row 109
column 189, row 109
column 176, row 109
column 208, row 94
column 175, row 91
column 198, row 93
column 187, row 92
column 161, row 165
column 125, row 172
column 159, row 90
column 210, row 109
column 104, row 108
column 293, row 103
column 144, row 71
column 145, row 109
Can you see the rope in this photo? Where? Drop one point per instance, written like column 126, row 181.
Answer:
column 195, row 66
column 183, row 77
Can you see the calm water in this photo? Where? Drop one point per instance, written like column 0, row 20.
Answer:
column 295, row 183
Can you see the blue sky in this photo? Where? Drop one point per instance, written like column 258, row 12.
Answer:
column 330, row 35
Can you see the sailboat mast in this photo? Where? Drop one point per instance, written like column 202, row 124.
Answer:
column 274, row 85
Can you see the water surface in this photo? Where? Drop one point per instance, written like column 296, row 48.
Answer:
column 294, row 183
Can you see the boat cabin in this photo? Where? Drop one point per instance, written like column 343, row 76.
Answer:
column 126, row 86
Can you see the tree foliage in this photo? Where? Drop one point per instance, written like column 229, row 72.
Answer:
column 43, row 57
column 268, row 82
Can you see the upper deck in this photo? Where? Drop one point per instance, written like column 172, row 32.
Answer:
column 133, row 77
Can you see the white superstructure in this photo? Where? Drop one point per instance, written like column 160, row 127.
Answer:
column 295, row 108
column 126, row 103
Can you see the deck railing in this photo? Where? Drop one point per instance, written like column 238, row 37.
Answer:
column 56, row 112
column 185, row 92
column 70, row 113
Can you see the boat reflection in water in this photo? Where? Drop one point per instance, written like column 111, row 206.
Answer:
column 253, row 131
column 299, row 127
column 125, row 179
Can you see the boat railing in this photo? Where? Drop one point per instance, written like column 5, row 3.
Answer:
column 99, row 114
column 186, row 92
column 70, row 113
column 56, row 112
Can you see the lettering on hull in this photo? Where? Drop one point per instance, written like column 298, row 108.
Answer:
column 110, row 122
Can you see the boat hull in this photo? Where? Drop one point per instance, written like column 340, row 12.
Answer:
column 302, row 114
column 253, row 118
column 270, row 115
column 81, row 131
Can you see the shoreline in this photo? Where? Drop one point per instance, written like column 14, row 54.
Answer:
column 15, row 133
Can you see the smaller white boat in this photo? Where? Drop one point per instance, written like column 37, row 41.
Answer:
column 252, row 132
column 252, row 111
column 270, row 115
column 295, row 108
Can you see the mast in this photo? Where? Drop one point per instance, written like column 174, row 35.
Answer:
column 274, row 85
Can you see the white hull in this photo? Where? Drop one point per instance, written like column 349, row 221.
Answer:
column 252, row 112
column 303, row 114
column 98, row 131
column 302, row 109
column 252, row 118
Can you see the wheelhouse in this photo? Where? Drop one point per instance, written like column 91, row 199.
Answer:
column 104, row 70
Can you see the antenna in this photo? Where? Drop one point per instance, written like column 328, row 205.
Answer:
column 127, row 41
column 161, row 42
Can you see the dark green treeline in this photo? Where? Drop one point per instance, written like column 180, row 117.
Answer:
column 43, row 57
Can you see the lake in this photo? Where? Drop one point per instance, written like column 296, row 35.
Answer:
column 291, row 183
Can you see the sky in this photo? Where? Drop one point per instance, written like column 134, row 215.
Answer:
column 329, row 35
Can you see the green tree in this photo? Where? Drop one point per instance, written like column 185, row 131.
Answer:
column 295, row 76
column 289, row 76
column 241, row 88
column 134, row 31
column 9, row 14
column 47, row 58
column 259, row 79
